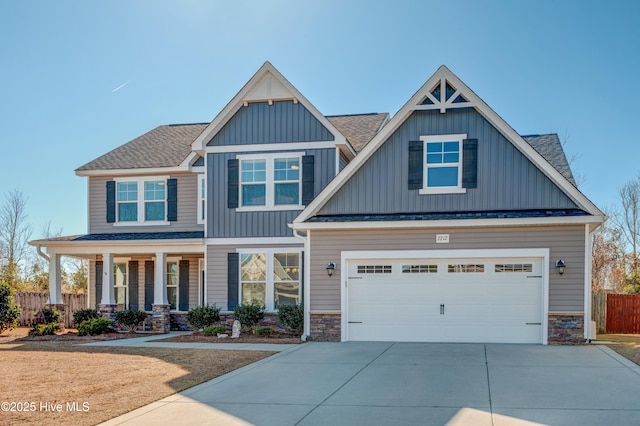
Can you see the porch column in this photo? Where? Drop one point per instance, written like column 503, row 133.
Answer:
column 55, row 283
column 108, row 297
column 160, row 280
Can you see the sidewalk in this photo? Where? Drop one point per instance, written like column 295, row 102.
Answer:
column 150, row 341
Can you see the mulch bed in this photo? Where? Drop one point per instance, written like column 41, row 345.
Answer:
column 282, row 338
column 66, row 335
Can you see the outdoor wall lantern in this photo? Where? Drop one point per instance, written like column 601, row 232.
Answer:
column 560, row 266
column 330, row 268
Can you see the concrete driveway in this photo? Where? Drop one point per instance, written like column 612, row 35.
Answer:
column 413, row 383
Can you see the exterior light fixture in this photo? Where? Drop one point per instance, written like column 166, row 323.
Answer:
column 560, row 266
column 330, row 268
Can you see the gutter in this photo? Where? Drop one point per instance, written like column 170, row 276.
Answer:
column 42, row 254
column 306, row 276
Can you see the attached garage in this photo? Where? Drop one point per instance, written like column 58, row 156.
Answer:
column 446, row 296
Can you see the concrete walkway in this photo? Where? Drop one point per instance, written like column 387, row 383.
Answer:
column 151, row 341
column 413, row 383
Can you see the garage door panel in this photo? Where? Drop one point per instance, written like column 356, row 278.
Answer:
column 447, row 300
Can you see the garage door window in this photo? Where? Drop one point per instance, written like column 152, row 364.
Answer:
column 419, row 269
column 514, row 267
column 374, row 269
column 466, row 267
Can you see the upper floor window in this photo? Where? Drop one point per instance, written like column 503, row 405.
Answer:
column 270, row 180
column 141, row 200
column 442, row 164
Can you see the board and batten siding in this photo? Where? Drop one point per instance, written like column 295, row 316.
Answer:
column 187, row 208
column 217, row 269
column 281, row 122
column 566, row 292
column 228, row 223
column 507, row 180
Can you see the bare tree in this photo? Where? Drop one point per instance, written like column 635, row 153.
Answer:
column 15, row 232
column 628, row 220
column 608, row 260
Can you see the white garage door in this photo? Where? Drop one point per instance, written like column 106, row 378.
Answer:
column 445, row 300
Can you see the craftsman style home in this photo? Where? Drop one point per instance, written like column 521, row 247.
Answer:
column 439, row 224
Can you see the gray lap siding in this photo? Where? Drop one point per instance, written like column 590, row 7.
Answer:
column 566, row 292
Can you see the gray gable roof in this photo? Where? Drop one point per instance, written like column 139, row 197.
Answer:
column 359, row 129
column 164, row 146
column 169, row 145
column 550, row 147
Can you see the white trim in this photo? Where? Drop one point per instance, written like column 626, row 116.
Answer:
column 244, row 95
column 152, row 171
column 587, row 281
column 443, row 190
column 426, row 189
column 289, row 146
column 452, row 223
column 412, row 105
column 346, row 256
column 140, row 201
column 120, row 246
column 249, row 240
column 201, row 185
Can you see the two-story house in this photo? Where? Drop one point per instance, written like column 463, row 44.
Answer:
column 440, row 224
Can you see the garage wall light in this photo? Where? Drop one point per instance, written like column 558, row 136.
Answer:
column 560, row 266
column 330, row 268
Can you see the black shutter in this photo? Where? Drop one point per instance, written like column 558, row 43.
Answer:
column 98, row 283
column 233, row 174
column 111, row 201
column 233, row 280
column 470, row 163
column 308, row 179
column 149, row 273
column 183, row 285
column 133, row 285
column 416, row 164
column 172, row 200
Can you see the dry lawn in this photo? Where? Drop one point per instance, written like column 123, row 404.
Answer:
column 628, row 345
column 105, row 382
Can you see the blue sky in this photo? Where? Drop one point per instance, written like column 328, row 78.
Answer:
column 566, row 67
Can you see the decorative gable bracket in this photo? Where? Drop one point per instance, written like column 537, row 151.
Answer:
column 444, row 95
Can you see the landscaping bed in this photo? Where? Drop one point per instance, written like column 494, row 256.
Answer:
column 198, row 337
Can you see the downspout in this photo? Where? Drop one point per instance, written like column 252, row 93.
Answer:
column 306, row 275
column 41, row 253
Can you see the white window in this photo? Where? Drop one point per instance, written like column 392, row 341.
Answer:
column 442, row 164
column 271, row 181
column 270, row 277
column 141, row 201
column 172, row 284
column 202, row 196
column 120, row 287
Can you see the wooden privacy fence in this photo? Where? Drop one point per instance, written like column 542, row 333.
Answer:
column 30, row 303
column 623, row 313
column 599, row 311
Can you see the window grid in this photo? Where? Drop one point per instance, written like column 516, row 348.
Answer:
column 374, row 269
column 419, row 269
column 465, row 268
column 172, row 284
column 514, row 267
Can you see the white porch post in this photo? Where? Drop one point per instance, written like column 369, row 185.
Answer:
column 160, row 280
column 55, row 283
column 107, row 280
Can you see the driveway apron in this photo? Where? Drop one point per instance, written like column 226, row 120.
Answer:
column 380, row 383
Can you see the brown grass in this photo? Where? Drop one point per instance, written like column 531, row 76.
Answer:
column 628, row 345
column 109, row 381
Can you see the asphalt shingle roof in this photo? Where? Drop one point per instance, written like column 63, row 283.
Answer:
column 550, row 147
column 359, row 129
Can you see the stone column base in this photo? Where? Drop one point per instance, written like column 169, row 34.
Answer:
column 161, row 318
column 324, row 327
column 60, row 307
column 566, row 328
column 107, row 311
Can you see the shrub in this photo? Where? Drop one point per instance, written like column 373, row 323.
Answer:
column 81, row 315
column 9, row 309
column 249, row 315
column 264, row 331
column 44, row 329
column 203, row 316
column 50, row 315
column 292, row 317
column 130, row 318
column 95, row 326
column 213, row 330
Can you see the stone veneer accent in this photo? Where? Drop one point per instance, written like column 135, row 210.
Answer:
column 179, row 322
column 107, row 311
column 161, row 318
column 325, row 327
column 566, row 328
